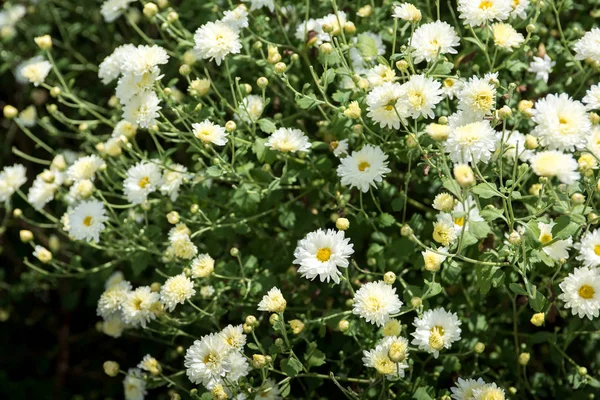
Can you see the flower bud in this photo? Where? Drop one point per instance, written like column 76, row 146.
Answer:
column 146, row 205
column 44, row 42
column 234, row 252
column 297, row 326
column 402, row 65
column 443, row 202
column 350, row 28
column 416, row 302
column 17, row 212
column 524, row 358
column 172, row 16
column 247, row 328
column 592, row 218
column 218, row 392
column 150, row 10
column 514, row 238
column 397, row 352
column 353, row 111
column 173, row 217
column 326, row 48
column 25, row 236
column 47, row 176
column 42, row 254
column 185, row 70
column 262, row 82
column 531, row 142
column 464, row 175
column 530, row 28
column 273, row 319
column 406, row 230
column 258, row 361
column 505, row 112
column 594, row 118
column 111, row 368
column 343, row 325
column 365, row 11
column 479, row 347
column 342, row 224
column 577, row 198
column 10, row 112
column 230, row 126
column 525, row 107
column 438, row 132
column 52, row 108
column 54, row 243
column 512, row 390
column 389, row 278
column 280, row 68
column 582, row 371
column 538, row 319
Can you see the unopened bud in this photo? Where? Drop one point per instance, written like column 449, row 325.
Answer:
column 111, row 368
column 524, row 358
column 234, row 252
column 259, row 361
column 514, row 238
column 262, row 82
column 297, row 326
column 343, row 325
column 479, row 347
column 531, row 142
column 280, row 68
column 406, row 230
column 230, row 126
column 25, row 236
column 464, row 175
column 10, row 112
column 537, row 319
column 44, row 42
column 342, row 224
column 389, row 278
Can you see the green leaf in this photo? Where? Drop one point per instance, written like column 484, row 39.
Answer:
column 287, row 219
column 386, row 220
column 485, row 190
column 291, row 366
column 517, row 289
column 490, row 214
column 421, row 394
column 306, row 102
column 246, row 197
column 479, row 229
column 313, row 356
column 214, row 171
column 266, row 125
column 537, row 300
column 453, row 187
column 366, row 46
column 443, row 68
column 328, row 77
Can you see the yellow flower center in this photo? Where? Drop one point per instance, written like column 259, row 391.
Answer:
column 323, row 254
column 436, row 337
column 87, row 221
column 597, row 249
column 372, row 304
column 516, row 2
column 389, row 107
column 459, row 221
column 137, row 304
column 449, row 82
column 484, row 5
column 363, row 165
column 416, row 99
column 586, row 292
column 545, row 238
column 384, row 366
column 210, row 358
column 145, row 181
column 484, row 101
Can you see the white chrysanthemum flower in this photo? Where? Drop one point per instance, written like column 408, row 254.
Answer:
column 376, row 302
column 581, row 292
column 541, row 67
column 28, row 116
column 85, row 168
column 41, row 193
column 473, row 142
column 592, row 98
column 209, row 132
column 114, row 326
column 113, row 9
column 587, row 46
column 562, row 123
column 554, row 163
column 320, row 254
column 432, row 40
column 207, row 291
column 42, row 254
column 589, row 249
column 114, row 279
column 173, row 177
column 367, row 46
column 420, row 95
column 379, row 74
column 11, row 15
column 207, row 361
column 464, row 388
column 11, row 179
column 435, row 330
column 363, row 169
column 35, row 71
column 150, row 364
column 111, row 66
column 202, row 266
column 130, row 85
column 176, row 290
column 142, row 179
column 506, row 37
column 407, row 12
column 519, row 8
column 215, row 40
column 444, row 231
column 452, row 86
column 306, row 26
column 478, row 12
column 514, row 145
column 489, row 391
column 234, row 337
column 86, row 221
column 337, row 22
column 144, row 60
column 340, row 147
column 379, row 357
column 250, row 109
column 478, row 96
column 112, row 299
column 273, row 301
column 385, row 105
column 133, row 384
column 557, row 250
column 239, row 367
column 142, row 109
column 20, row 78
column 258, row 4
column 139, row 306
column 237, row 18
column 124, row 128
column 288, row 140
column 181, row 243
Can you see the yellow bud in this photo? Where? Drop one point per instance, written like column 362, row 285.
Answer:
column 343, row 325
column 416, row 302
column 259, row 361
column 262, row 82
column 342, row 224
column 464, row 175
column 280, row 68
column 10, row 112
column 538, row 319
column 531, row 142
column 389, row 278
column 25, row 236
column 173, row 217
column 111, row 368
column 44, row 42
column 524, row 358
column 297, row 326
column 150, row 10
column 230, row 126
column 479, row 347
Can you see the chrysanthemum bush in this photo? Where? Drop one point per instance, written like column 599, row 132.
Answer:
column 317, row 199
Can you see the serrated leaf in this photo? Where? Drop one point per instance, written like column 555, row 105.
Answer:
column 486, row 190
column 386, row 220
column 266, row 125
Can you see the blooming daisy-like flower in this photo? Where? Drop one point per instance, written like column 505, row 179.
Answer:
column 506, row 36
column 130, row 85
column 519, row 8
column 41, row 193
column 172, row 179
column 432, row 40
column 464, row 388
column 113, row 9
column 11, row 15
column 273, row 301
column 306, row 26
column 435, row 330
column 420, row 95
column 452, row 86
column 587, row 46
column 209, row 132
column 514, row 145
column 581, row 292
column 592, row 98
column 363, row 168
column 250, row 109
column 340, row 147
column 139, row 306
column 133, row 384
column 562, row 123
column 112, row 299
column 236, row 18
column 288, row 140
column 489, row 391
column 541, row 67
column 150, row 364
column 376, row 302
column 407, row 12
column 268, row 391
column 202, row 266
column 478, row 96
column 215, row 40
column 143, row 60
column 111, row 67
column 473, row 142
column 444, row 231
column 381, row 356
column 176, row 290
column 124, row 128
column 85, row 168
column 142, row 179
column 142, row 109
column 11, row 179
column 589, row 249
column 86, row 221
column 239, row 366
column 557, row 250
column 336, row 22
column 181, row 244
column 234, row 337
column 35, row 70
column 478, row 12
column 379, row 74
column 207, row 291
column 207, row 360
column 554, row 163
column 320, row 254
column 385, row 105
column 433, row 259
column 258, row 4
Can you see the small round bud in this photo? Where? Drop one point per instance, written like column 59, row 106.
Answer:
column 514, row 238
column 464, row 175
column 247, row 328
column 44, row 42
column 594, row 118
column 230, row 126
column 146, row 205
column 397, row 352
column 194, row 208
column 185, row 70
column 234, row 251
column 54, row 243
column 10, row 112
column 162, row 3
column 17, row 213
column 479, row 347
column 172, row 16
column 279, row 342
column 531, row 142
column 343, row 325
column 297, row 326
column 52, row 108
column 577, row 198
column 327, row 28
column 538, row 319
column 25, row 236
column 350, row 28
column 173, row 217
column 365, row 11
column 262, row 82
column 505, row 112
column 582, row 371
column 406, row 230
column 258, row 361
column 280, row 68
column 155, row 287
column 55, row 91
column 111, row 368
column 512, row 390
column 47, row 176
column 402, row 65
column 389, row 278
column 43, row 254
column 174, row 396
column 530, row 28
column 273, row 319
column 342, row 224
column 592, row 218
column 150, row 10
column 524, row 358
column 251, row 320
column 326, row 48
column 416, row 302
column 445, row 397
